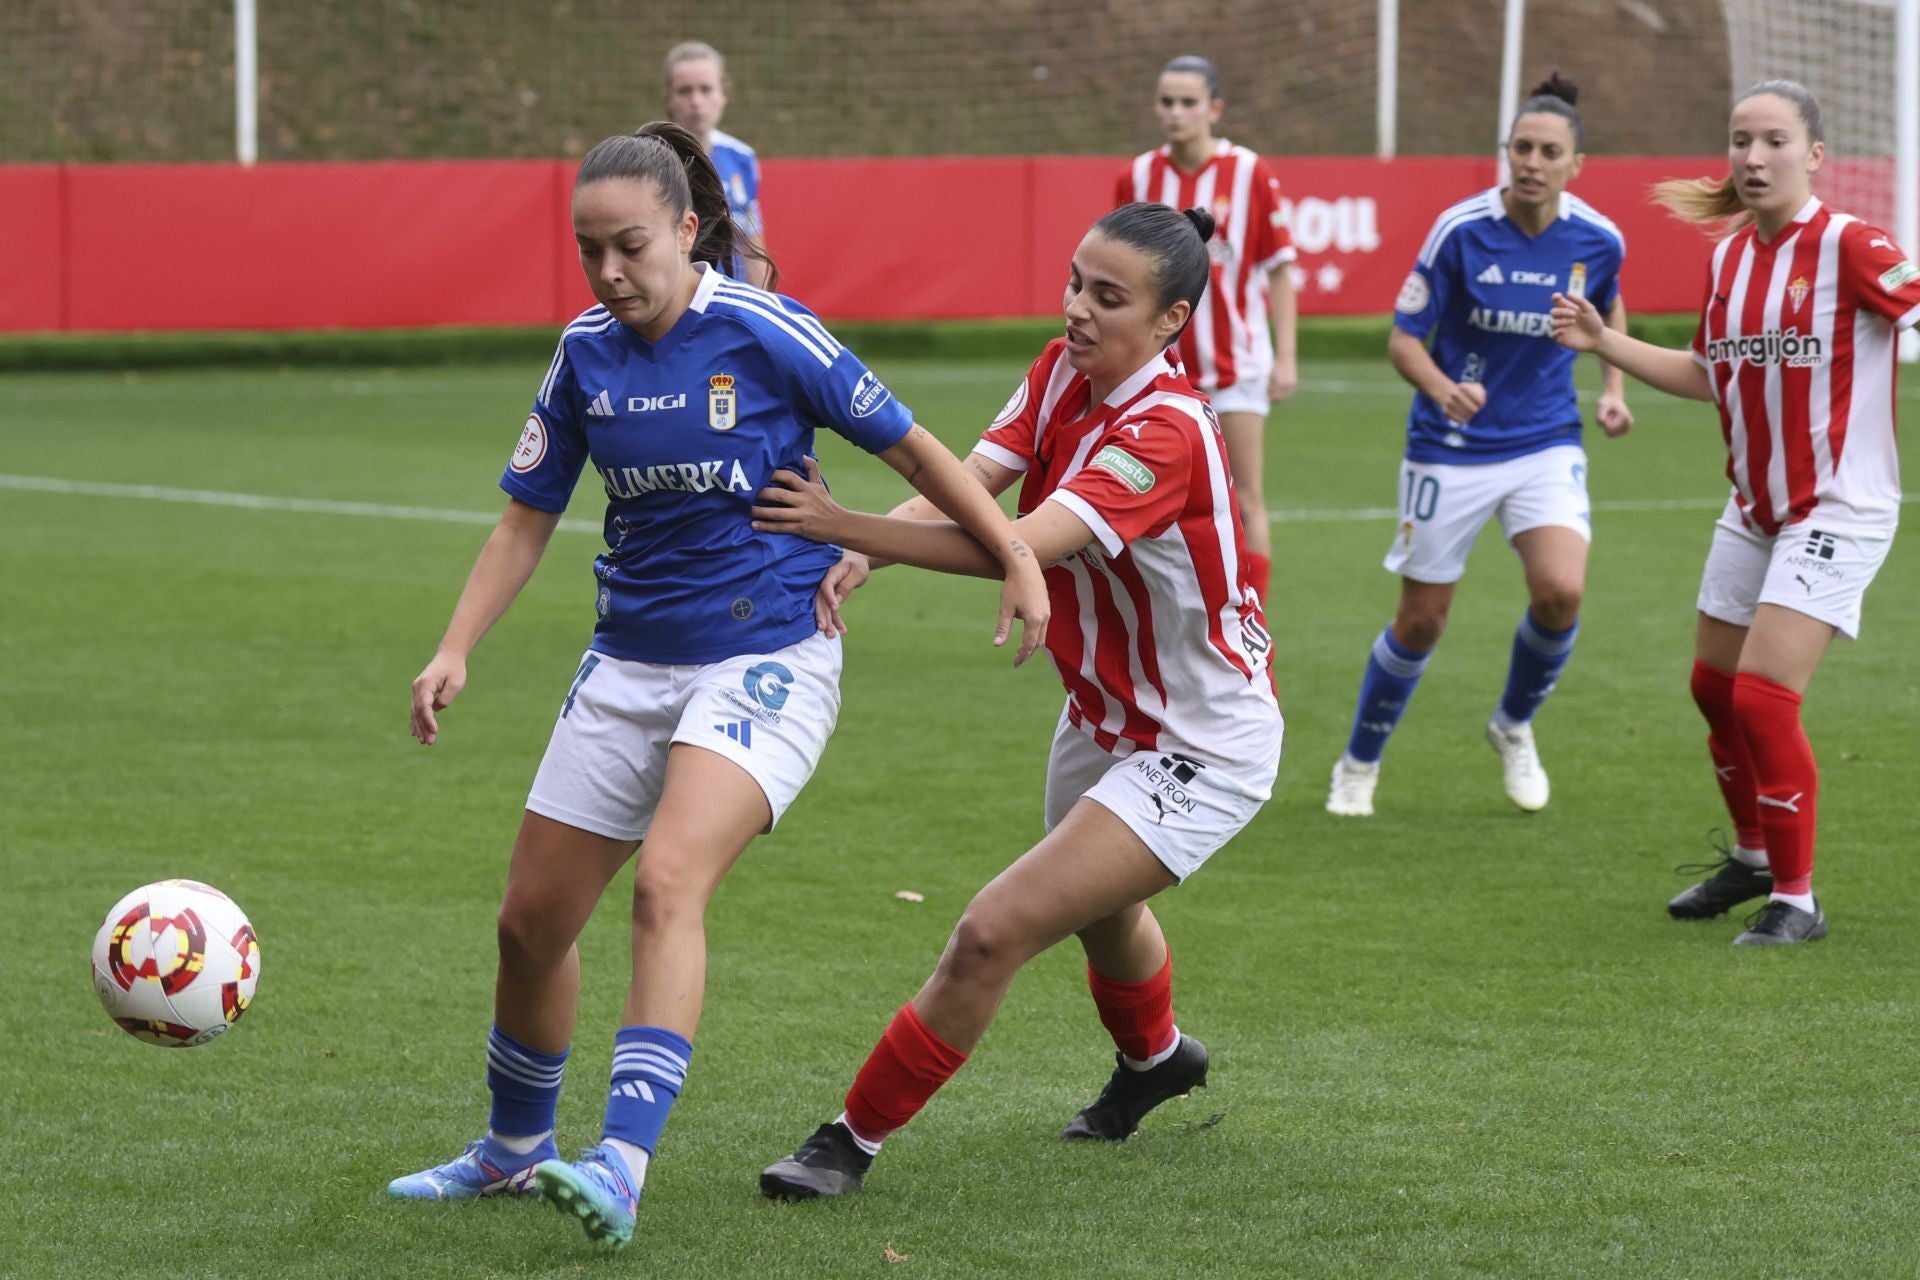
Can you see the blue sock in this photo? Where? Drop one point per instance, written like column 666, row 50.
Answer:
column 1538, row 656
column 649, row 1066
column 525, row 1084
column 1392, row 672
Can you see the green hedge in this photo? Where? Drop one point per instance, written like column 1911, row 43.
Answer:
column 1321, row 337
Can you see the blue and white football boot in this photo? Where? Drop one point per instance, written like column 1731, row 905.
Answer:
column 597, row 1189
column 485, row 1168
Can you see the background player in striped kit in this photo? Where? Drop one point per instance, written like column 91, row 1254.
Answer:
column 1494, row 430
column 1796, row 346
column 1239, row 346
column 707, row 696
column 697, row 85
column 1170, row 739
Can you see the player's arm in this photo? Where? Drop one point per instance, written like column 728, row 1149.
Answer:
column 1283, row 310
column 508, row 559
column 1612, row 413
column 1411, row 359
column 1578, row 327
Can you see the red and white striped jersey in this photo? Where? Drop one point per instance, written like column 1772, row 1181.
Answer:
column 1228, row 340
column 1158, row 642
column 1799, row 338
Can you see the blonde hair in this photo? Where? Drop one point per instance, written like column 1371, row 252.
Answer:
column 1716, row 205
column 694, row 51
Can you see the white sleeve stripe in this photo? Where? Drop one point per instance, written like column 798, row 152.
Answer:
column 1094, row 520
column 806, row 343
column 1440, row 224
column 1441, row 231
column 1587, row 215
column 763, row 298
column 1908, row 320
column 553, row 372
column 999, row 453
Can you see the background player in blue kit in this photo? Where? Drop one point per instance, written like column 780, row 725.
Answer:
column 697, row 84
column 709, row 692
column 1494, row 430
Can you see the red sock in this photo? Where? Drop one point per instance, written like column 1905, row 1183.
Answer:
column 1138, row 1015
column 1258, row 573
column 898, row 1077
column 1786, row 779
column 1727, row 744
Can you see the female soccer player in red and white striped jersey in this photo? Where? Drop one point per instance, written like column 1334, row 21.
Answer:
column 1239, row 348
column 1170, row 739
column 1796, row 346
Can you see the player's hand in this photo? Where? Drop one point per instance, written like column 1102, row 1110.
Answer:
column 797, row 504
column 1283, row 381
column 1023, row 596
column 841, row 581
column 1463, row 401
column 434, row 689
column 1577, row 326
column 1613, row 415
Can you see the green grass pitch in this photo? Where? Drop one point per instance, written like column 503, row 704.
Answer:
column 1452, row 1040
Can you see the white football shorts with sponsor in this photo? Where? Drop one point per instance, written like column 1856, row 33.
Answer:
column 1444, row 506
column 1821, row 573
column 769, row 713
column 1246, row 395
column 1182, row 807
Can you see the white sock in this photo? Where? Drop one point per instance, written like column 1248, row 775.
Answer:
column 1503, row 724
column 636, row 1158
column 871, row 1148
column 1755, row 858
column 1135, row 1064
column 1804, row 901
column 520, row 1146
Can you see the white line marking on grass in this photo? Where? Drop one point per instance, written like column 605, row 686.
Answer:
column 447, row 515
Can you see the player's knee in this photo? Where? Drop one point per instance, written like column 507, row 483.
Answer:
column 667, row 892
column 1253, row 502
column 527, row 938
column 1420, row 629
column 982, row 949
column 1556, row 604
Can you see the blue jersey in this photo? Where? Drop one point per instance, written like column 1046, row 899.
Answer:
column 682, row 433
column 739, row 170
column 1483, row 288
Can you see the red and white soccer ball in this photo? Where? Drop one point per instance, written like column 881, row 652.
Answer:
column 176, row 963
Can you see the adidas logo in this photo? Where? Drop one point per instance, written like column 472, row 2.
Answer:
column 632, row 1089
column 1491, row 275
column 602, row 406
column 740, row 731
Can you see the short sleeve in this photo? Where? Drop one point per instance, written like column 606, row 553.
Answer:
column 545, row 464
column 1880, row 277
column 1013, row 439
column 1269, row 242
column 1423, row 296
column 836, row 388
column 1135, row 485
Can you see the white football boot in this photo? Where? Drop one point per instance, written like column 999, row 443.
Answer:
column 1352, row 792
column 1520, row 761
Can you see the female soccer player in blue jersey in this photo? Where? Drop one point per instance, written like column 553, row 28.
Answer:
column 1494, row 430
column 697, row 85
column 707, row 696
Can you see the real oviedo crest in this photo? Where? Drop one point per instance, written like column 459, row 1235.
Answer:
column 723, row 402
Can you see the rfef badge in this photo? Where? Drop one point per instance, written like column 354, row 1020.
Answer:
column 723, row 403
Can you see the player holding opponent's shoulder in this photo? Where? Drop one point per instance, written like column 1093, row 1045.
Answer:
column 1170, row 738
column 1239, row 346
column 1494, row 431
column 707, row 698
column 1797, row 346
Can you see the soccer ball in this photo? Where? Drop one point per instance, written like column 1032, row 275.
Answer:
column 176, row 963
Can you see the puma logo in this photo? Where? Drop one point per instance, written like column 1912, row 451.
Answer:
column 1790, row 805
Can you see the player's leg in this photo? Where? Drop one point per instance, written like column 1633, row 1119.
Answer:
column 1545, row 515
column 1442, row 510
column 710, row 810
column 1088, row 868
column 1246, row 459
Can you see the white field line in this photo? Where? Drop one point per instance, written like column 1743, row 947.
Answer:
column 446, row 515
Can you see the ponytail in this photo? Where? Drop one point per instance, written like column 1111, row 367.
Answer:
column 673, row 161
column 1717, row 205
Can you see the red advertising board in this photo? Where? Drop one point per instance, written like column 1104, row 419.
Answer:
column 128, row 247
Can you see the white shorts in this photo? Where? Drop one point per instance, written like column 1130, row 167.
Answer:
column 1444, row 506
column 771, row 714
column 1183, row 808
column 1804, row 568
column 1247, row 395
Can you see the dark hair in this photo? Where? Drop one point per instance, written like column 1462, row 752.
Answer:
column 1555, row 96
column 1177, row 244
column 1714, row 203
column 1192, row 64
column 673, row 161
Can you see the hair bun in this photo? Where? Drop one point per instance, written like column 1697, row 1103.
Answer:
column 1557, row 86
column 1202, row 221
